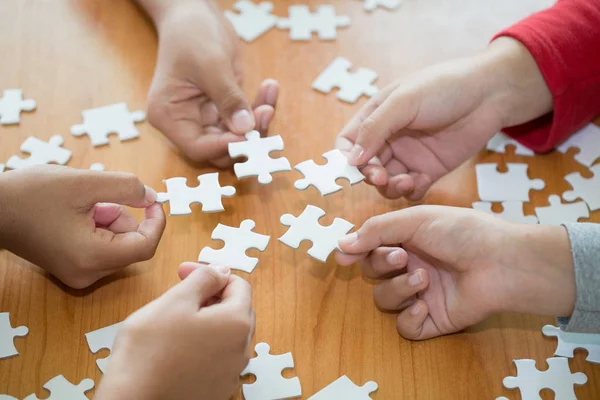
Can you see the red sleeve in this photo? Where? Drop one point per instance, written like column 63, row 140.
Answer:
column 565, row 42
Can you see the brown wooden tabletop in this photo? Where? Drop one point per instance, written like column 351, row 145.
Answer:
column 74, row 55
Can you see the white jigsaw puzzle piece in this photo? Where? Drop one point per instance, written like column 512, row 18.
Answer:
column 1, row 168
column 259, row 162
column 587, row 140
column 237, row 242
column 102, row 338
column 371, row 5
column 11, row 105
column 586, row 189
column 512, row 211
column 40, row 153
column 557, row 377
column 302, row 23
column 208, row 193
column 61, row 389
column 351, row 85
column 498, row 144
column 558, row 213
column 270, row 384
column 253, row 20
column 7, row 335
column 344, row 388
column 100, row 122
column 97, row 167
column 7, row 397
column 568, row 342
column 324, row 177
column 513, row 185
column 306, row 227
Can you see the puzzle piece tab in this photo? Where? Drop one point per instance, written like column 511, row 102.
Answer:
column 208, row 193
column 61, row 389
column 370, row 5
column 344, row 388
column 40, row 153
column 512, row 211
column 500, row 141
column 351, row 85
column 323, row 177
column 253, row 20
column 568, row 342
column 270, row 384
column 587, row 140
column 102, row 338
column 513, row 185
column 586, row 189
column 259, row 162
column 7, row 335
column 558, row 213
column 99, row 122
column 11, row 105
column 307, row 227
column 237, row 241
column 302, row 23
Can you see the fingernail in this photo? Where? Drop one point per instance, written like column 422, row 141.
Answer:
column 272, row 95
column 242, row 121
column 414, row 310
column 355, row 154
column 348, row 239
column 150, row 195
column 416, row 278
column 395, row 257
column 224, row 269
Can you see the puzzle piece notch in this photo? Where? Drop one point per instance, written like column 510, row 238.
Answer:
column 344, row 388
column 11, row 105
column 512, row 211
column 7, row 335
column 61, row 389
column 351, row 85
column 513, row 185
column 40, row 153
column 307, row 227
column 270, row 384
column 253, row 20
column 568, row 342
column 587, row 140
column 557, row 377
column 237, row 242
column 558, row 213
column 102, row 338
column 259, row 161
column 586, row 189
column 371, row 5
column 100, row 122
column 323, row 177
column 208, row 193
column 500, row 141
column 302, row 23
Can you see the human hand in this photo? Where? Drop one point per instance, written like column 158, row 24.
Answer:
column 444, row 269
column 422, row 127
column 73, row 224
column 191, row 343
column 195, row 98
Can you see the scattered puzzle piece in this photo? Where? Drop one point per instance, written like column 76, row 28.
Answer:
column 557, row 377
column 102, row 338
column 512, row 211
column 1, row 168
column 237, row 241
column 513, row 185
column 586, row 189
column 500, row 141
column 323, row 177
column 62, row 389
column 558, row 213
column 97, row 167
column 7, row 397
column 99, row 122
column 253, row 20
column 259, row 162
column 40, row 153
column 351, row 85
column 568, row 342
column 7, row 335
column 208, row 193
column 370, row 5
column 307, row 227
column 587, row 140
column 344, row 388
column 11, row 105
column 302, row 23
column 270, row 384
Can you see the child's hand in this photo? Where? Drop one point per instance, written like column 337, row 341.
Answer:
column 191, row 343
column 195, row 98
column 72, row 223
column 420, row 128
column 456, row 266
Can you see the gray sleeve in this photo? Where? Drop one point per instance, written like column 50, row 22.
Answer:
column 585, row 247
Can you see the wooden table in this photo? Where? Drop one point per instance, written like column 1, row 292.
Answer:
column 73, row 55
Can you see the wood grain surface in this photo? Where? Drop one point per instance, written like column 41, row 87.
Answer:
column 74, row 55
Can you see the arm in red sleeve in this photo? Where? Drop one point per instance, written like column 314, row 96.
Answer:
column 565, row 42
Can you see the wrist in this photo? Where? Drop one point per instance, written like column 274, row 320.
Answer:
column 161, row 11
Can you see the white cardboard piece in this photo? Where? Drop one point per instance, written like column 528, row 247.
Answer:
column 512, row 211
column 99, row 122
column 40, row 152
column 351, row 85
column 568, row 342
column 11, row 105
column 102, row 338
column 344, row 388
column 7, row 397
column 587, row 140
column 61, row 389
column 302, row 23
column 513, row 185
column 371, row 5
column 7, row 335
column 500, row 141
column 586, row 189
column 252, row 20
column 97, row 167
column 558, row 213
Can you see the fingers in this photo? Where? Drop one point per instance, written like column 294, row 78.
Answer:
column 201, row 283
column 115, row 187
column 268, row 94
column 264, row 115
column 415, row 323
column 237, row 296
column 384, row 261
column 114, row 217
column 393, row 293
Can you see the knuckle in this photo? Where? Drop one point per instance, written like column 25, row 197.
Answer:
column 367, row 127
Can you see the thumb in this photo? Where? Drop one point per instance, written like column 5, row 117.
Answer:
column 202, row 284
column 116, row 187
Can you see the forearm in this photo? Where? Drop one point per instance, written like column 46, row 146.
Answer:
column 160, row 10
